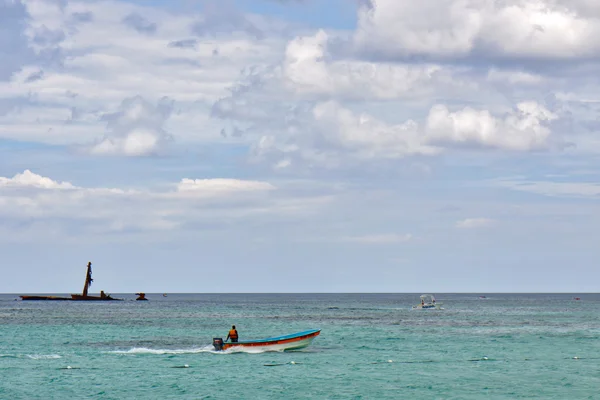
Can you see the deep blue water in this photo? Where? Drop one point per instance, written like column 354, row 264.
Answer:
column 372, row 346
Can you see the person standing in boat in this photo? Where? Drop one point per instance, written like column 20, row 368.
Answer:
column 233, row 335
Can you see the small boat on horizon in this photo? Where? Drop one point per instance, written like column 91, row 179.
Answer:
column 293, row 341
column 141, row 297
column 428, row 302
column 77, row 297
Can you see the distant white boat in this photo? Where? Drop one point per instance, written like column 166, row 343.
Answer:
column 428, row 301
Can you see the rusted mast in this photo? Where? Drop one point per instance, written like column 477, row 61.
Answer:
column 88, row 279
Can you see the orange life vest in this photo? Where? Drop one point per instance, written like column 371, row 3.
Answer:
column 233, row 334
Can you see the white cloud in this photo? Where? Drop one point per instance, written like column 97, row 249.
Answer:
column 367, row 136
column 181, row 58
column 329, row 135
column 523, row 129
column 30, row 198
column 307, row 70
column 136, row 129
column 221, row 186
column 30, row 179
column 474, row 223
column 439, row 26
column 94, row 79
column 461, row 28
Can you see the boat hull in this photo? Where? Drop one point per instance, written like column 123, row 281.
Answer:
column 281, row 343
column 74, row 297
column 79, row 297
column 437, row 306
column 44, row 298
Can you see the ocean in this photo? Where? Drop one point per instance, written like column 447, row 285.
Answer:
column 372, row 346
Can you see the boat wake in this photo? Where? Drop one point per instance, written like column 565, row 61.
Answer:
column 196, row 350
column 145, row 350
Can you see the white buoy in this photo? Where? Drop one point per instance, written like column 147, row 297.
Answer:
column 69, row 367
column 292, row 362
column 186, row 366
column 485, row 358
column 575, row 358
column 390, row 361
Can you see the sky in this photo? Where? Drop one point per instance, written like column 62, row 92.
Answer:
column 300, row 145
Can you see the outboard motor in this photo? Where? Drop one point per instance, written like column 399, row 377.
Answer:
column 218, row 343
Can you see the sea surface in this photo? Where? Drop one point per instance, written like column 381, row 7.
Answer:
column 372, row 346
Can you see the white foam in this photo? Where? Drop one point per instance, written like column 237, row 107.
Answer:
column 205, row 349
column 145, row 350
column 43, row 356
column 249, row 350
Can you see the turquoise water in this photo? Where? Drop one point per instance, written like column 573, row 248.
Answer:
column 372, row 346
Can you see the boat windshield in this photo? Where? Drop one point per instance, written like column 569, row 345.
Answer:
column 427, row 298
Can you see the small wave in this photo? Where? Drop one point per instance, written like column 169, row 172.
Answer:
column 43, row 356
column 480, row 359
column 281, row 364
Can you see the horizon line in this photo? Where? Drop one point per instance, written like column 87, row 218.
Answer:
column 470, row 292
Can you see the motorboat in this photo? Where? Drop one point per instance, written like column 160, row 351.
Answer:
column 428, row 302
column 293, row 341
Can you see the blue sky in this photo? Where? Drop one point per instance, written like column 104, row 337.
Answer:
column 299, row 146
